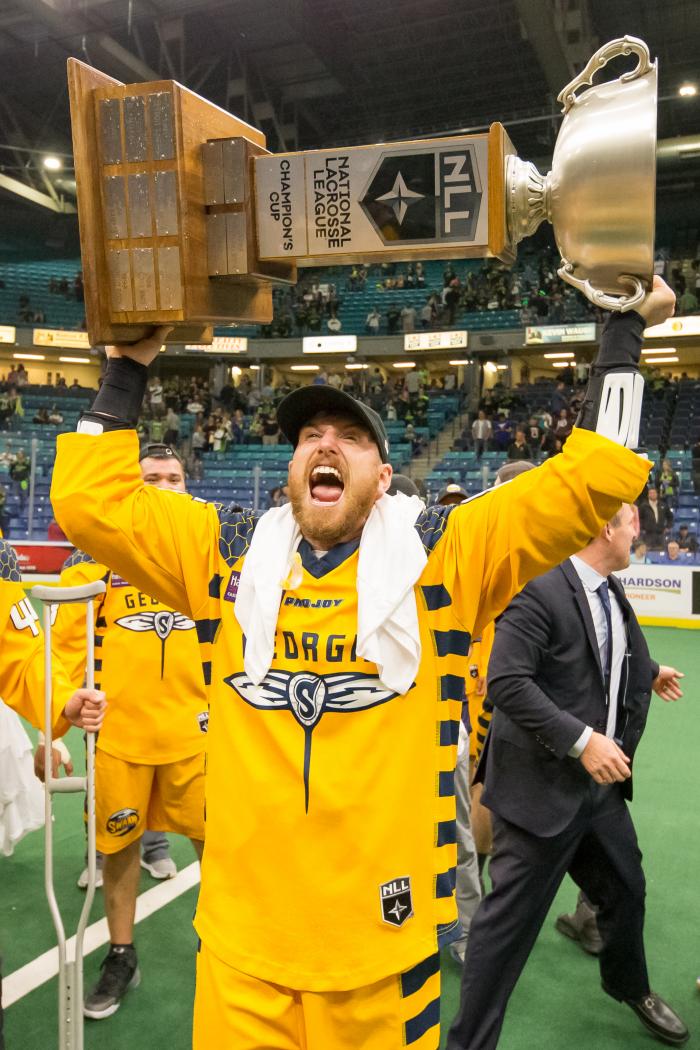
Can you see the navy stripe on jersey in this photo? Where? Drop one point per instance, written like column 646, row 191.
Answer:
column 9, row 566
column 422, row 1022
column 413, row 980
column 452, row 643
column 449, row 732
column 445, row 883
column 206, row 629
column 98, row 665
column 446, row 833
column 436, row 596
column 452, row 687
column 236, row 532
column 206, row 671
column 446, row 783
column 447, row 932
column 215, row 585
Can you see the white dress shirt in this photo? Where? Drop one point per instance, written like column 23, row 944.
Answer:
column 591, row 580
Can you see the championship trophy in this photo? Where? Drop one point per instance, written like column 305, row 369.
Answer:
column 187, row 220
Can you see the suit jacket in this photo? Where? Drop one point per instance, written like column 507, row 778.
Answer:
column 547, row 684
column 652, row 529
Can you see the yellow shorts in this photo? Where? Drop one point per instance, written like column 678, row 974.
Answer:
column 233, row 1011
column 130, row 797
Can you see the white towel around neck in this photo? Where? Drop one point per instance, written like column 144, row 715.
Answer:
column 390, row 563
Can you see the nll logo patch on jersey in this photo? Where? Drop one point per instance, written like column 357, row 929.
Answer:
column 122, row 822
column 203, row 721
column 162, row 623
column 308, row 696
column 396, row 900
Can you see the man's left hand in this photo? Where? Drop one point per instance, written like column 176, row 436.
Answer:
column 659, row 303
column 86, row 709
column 666, row 684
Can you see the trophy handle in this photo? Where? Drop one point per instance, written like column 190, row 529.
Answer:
column 626, row 45
column 620, row 303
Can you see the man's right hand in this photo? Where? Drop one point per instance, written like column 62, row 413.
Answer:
column 146, row 350
column 604, row 760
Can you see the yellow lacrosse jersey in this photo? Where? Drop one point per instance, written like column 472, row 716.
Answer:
column 22, row 662
column 330, row 846
column 147, row 662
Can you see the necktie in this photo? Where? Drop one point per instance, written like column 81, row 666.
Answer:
column 604, row 595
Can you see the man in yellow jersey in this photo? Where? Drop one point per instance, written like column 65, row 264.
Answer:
column 22, row 662
column 22, row 673
column 334, row 634
column 149, row 764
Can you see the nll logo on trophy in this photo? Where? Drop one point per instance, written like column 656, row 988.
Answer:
column 425, row 197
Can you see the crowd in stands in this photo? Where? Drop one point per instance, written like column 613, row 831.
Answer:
column 180, row 409
column 683, row 275
column 532, row 288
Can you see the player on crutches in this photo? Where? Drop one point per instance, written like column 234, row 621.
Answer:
column 70, row 971
column 22, row 666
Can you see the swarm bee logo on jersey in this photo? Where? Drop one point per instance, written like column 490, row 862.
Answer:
column 162, row 622
column 308, row 696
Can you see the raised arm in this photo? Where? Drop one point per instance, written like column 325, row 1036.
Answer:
column 163, row 542
column 498, row 541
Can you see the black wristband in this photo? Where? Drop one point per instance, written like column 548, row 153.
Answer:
column 621, row 343
column 119, row 398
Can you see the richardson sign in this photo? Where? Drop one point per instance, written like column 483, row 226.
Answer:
column 663, row 592
column 366, row 199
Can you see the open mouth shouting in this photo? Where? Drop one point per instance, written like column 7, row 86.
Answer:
column 326, row 485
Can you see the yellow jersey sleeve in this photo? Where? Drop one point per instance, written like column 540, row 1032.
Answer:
column 22, row 665
column 165, row 543
column 69, row 633
column 496, row 542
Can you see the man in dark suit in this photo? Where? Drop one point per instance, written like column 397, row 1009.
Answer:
column 655, row 519
column 570, row 677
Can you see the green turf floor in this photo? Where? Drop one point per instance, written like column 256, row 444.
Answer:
column 557, row 1004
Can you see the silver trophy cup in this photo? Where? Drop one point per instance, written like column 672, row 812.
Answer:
column 600, row 194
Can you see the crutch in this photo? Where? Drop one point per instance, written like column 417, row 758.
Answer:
column 70, row 971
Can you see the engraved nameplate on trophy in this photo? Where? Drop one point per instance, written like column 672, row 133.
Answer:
column 115, row 207
column 165, row 195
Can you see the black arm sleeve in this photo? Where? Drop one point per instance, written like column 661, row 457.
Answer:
column 620, row 351
column 119, row 399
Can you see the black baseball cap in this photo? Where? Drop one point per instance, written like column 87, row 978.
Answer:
column 297, row 408
column 453, row 493
column 158, row 450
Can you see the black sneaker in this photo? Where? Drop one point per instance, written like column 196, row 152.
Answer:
column 119, row 972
